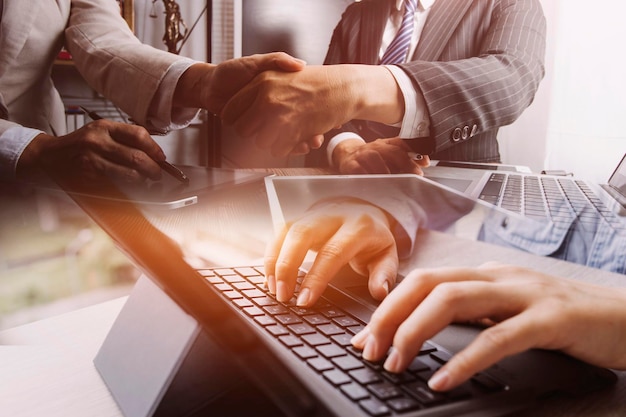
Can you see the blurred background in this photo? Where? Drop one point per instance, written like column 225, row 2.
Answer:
column 55, row 259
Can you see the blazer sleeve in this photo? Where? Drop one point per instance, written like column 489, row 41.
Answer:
column 112, row 60
column 491, row 87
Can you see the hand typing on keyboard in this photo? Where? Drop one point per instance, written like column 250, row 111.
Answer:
column 342, row 232
column 526, row 309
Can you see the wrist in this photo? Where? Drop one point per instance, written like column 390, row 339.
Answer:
column 377, row 94
column 192, row 89
column 30, row 164
column 336, row 140
column 344, row 148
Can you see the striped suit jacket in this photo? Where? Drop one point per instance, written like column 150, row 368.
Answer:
column 478, row 65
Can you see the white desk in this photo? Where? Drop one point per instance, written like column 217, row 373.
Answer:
column 46, row 366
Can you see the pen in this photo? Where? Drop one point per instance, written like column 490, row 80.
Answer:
column 165, row 166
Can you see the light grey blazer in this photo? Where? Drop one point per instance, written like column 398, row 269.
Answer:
column 105, row 52
column 478, row 65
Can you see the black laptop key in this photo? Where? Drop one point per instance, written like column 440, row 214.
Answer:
column 287, row 319
column 301, row 328
column 316, row 319
column 337, row 377
column 342, row 339
column 320, row 364
column 422, row 393
column 487, row 382
column 330, row 329
column 305, row 352
column 277, row 330
column 276, row 309
column 365, row 376
column 331, row 351
column 400, row 378
column 348, row 363
column 441, row 356
column 385, row 390
column 331, row 311
column 403, row 404
column 374, row 407
column 491, row 190
column 346, row 321
column 355, row 392
column 316, row 339
column 290, row 340
column 418, row 366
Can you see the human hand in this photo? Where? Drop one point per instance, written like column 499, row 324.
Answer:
column 281, row 110
column 230, row 76
column 527, row 309
column 100, row 150
column 348, row 231
column 383, row 156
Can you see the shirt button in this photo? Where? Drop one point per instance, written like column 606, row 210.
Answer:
column 466, row 133
column 456, row 134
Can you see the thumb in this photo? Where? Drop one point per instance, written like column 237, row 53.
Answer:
column 279, row 61
column 382, row 274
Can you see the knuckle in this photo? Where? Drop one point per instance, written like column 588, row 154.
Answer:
column 448, row 293
column 498, row 337
column 301, row 230
column 331, row 251
column 136, row 157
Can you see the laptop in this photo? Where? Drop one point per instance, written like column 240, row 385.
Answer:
column 559, row 216
column 557, row 199
column 302, row 359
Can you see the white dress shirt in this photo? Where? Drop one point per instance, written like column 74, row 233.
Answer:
column 415, row 122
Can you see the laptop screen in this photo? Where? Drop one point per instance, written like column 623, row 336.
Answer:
column 618, row 179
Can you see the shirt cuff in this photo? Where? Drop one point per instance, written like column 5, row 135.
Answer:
column 336, row 140
column 12, row 143
column 416, row 120
column 162, row 115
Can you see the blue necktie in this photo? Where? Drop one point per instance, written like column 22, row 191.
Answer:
column 399, row 47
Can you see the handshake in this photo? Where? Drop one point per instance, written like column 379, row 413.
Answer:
column 273, row 99
column 286, row 107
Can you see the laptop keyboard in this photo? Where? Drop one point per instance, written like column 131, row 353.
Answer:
column 546, row 199
column 320, row 336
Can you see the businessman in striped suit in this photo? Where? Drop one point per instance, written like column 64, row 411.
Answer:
column 472, row 67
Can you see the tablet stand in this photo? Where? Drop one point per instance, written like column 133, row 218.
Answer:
column 157, row 362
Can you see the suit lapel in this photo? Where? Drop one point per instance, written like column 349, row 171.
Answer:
column 443, row 20
column 371, row 27
column 17, row 22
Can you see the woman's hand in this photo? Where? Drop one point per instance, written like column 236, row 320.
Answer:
column 347, row 231
column 527, row 309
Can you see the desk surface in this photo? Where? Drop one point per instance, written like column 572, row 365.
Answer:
column 47, row 366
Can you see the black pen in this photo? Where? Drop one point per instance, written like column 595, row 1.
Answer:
column 165, row 166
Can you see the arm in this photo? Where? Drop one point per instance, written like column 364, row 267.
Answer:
column 342, row 231
column 383, row 156
column 371, row 236
column 470, row 82
column 493, row 85
column 527, row 309
column 283, row 109
column 143, row 80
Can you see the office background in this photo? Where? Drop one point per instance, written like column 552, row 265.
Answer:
column 576, row 123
